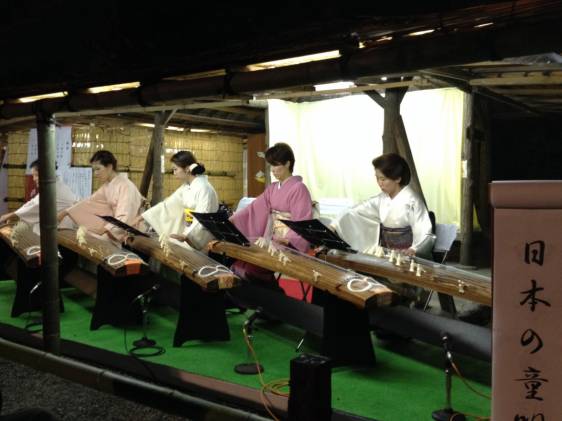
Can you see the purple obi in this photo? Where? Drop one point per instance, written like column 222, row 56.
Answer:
column 396, row 238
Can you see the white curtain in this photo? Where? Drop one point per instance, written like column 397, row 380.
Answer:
column 335, row 141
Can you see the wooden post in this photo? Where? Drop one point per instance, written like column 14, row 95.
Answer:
column 46, row 143
column 483, row 163
column 467, row 188
column 157, row 178
column 153, row 165
column 391, row 114
column 3, row 146
column 403, row 147
column 147, row 172
column 256, row 143
column 394, row 137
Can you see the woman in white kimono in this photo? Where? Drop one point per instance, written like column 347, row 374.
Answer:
column 396, row 218
column 118, row 197
column 172, row 216
column 29, row 212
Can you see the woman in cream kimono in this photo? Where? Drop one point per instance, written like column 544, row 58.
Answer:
column 288, row 198
column 29, row 212
column 396, row 218
column 172, row 216
column 117, row 197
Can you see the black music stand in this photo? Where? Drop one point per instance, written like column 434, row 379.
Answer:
column 318, row 234
column 219, row 225
column 122, row 225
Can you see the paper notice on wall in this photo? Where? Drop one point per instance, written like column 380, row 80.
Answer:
column 63, row 136
column 4, row 185
column 79, row 180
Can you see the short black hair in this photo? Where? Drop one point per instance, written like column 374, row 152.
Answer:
column 185, row 159
column 393, row 166
column 34, row 164
column 105, row 158
column 280, row 154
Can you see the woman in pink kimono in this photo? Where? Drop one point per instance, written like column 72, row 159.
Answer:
column 288, row 198
column 117, row 197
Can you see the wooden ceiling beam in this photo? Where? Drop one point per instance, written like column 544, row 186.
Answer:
column 147, row 118
column 550, row 91
column 178, row 105
column 214, row 120
column 418, row 83
column 517, row 81
column 454, row 78
column 247, row 111
column 506, row 100
column 546, row 101
column 507, row 68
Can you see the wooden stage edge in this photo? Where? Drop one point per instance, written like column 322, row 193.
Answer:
column 211, row 389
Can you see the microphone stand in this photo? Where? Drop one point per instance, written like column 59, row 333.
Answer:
column 447, row 413
column 35, row 325
column 249, row 368
column 145, row 343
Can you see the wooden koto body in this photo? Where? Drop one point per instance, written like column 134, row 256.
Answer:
column 25, row 243
column 118, row 262
column 430, row 275
column 196, row 266
column 345, row 284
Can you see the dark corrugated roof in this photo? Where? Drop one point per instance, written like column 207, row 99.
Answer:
column 54, row 45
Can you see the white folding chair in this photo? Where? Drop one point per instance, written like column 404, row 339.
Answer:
column 445, row 236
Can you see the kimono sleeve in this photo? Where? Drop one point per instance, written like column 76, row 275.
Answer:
column 29, row 212
column 126, row 208
column 167, row 216
column 84, row 213
column 206, row 201
column 252, row 220
column 419, row 221
column 360, row 226
column 300, row 205
column 65, row 196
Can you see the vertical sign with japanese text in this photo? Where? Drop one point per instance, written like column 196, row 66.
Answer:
column 527, row 301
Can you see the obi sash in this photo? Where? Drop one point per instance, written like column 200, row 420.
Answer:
column 396, row 238
column 188, row 217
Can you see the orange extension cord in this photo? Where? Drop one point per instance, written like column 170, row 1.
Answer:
column 273, row 386
column 472, row 389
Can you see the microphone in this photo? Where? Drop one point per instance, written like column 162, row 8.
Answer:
column 253, row 316
column 149, row 291
column 445, row 342
column 249, row 323
column 37, row 285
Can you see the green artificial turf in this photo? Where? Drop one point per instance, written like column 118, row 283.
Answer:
column 407, row 382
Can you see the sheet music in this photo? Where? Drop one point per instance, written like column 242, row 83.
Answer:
column 79, row 180
column 63, row 136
